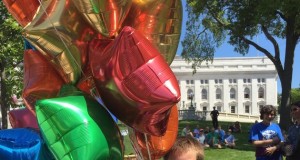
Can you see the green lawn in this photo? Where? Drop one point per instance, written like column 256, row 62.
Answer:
column 244, row 150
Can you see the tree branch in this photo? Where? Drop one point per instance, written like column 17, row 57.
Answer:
column 281, row 15
column 273, row 41
column 277, row 63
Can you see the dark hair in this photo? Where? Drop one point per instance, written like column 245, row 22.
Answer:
column 296, row 104
column 184, row 144
column 267, row 109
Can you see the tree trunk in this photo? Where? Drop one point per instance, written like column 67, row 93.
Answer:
column 285, row 118
column 287, row 74
column 4, row 104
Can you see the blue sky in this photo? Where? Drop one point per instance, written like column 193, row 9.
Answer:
column 226, row 50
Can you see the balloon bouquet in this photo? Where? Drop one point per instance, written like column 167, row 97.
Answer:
column 87, row 61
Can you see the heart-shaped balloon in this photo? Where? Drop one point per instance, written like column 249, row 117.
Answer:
column 104, row 16
column 160, row 22
column 22, row 11
column 134, row 81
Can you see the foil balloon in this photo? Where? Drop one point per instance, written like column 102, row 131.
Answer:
column 40, row 79
column 105, row 16
column 160, row 22
column 22, row 11
column 154, row 147
column 20, row 143
column 22, row 118
column 134, row 81
column 58, row 33
column 77, row 127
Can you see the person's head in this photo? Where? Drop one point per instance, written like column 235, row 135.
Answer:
column 267, row 113
column 201, row 131
column 212, row 129
column 185, row 148
column 214, row 108
column 295, row 110
column 219, row 127
column 229, row 131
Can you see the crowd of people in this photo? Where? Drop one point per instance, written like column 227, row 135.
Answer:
column 270, row 142
column 211, row 137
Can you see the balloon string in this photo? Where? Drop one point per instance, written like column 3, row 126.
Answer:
column 60, row 37
column 146, row 139
column 134, row 144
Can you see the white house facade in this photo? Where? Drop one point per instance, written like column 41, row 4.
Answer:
column 237, row 85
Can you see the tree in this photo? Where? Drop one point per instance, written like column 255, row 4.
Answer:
column 295, row 95
column 11, row 56
column 211, row 21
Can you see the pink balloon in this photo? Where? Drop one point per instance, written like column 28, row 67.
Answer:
column 22, row 118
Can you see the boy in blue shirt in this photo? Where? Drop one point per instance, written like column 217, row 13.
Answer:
column 266, row 136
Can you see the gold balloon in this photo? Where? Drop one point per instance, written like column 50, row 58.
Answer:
column 105, row 16
column 160, row 22
column 59, row 33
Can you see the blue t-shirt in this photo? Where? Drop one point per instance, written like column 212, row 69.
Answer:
column 229, row 138
column 261, row 131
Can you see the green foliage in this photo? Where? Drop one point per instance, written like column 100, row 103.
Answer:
column 11, row 53
column 295, row 95
column 11, row 57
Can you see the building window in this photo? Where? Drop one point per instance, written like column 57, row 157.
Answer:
column 192, row 81
column 234, row 80
column 189, row 92
column 232, row 93
column 230, row 80
column 263, row 80
column 247, row 109
column 247, row 80
column 232, row 109
column 204, row 94
column 187, row 82
column 204, row 108
column 219, row 108
column 247, row 93
column 202, row 81
column 218, row 94
column 258, row 80
column 206, row 81
column 261, row 92
column 218, row 81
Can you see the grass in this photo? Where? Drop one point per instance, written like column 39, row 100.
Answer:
column 243, row 150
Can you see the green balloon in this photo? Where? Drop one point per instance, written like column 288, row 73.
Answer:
column 79, row 128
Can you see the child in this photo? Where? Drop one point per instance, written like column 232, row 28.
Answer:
column 185, row 148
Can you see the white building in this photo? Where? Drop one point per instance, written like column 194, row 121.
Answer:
column 238, row 85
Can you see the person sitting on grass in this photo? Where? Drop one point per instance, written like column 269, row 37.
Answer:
column 185, row 148
column 202, row 139
column 221, row 133
column 213, row 139
column 196, row 132
column 229, row 139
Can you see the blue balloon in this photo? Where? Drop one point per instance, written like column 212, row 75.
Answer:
column 23, row 144
column 27, row 45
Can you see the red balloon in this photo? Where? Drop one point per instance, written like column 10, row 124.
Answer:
column 159, row 145
column 22, row 10
column 134, row 81
column 22, row 118
column 40, row 79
